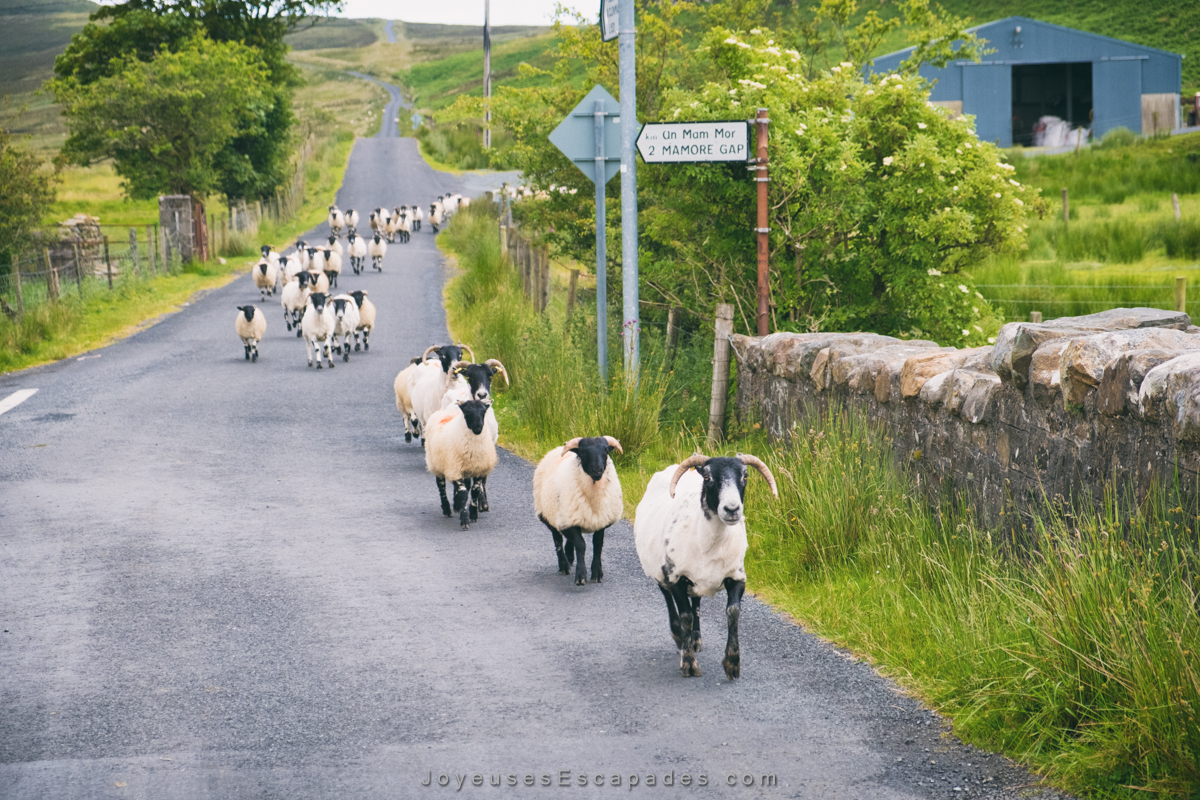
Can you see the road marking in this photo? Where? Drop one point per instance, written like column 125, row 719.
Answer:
column 15, row 399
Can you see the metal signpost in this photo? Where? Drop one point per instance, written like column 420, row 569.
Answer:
column 631, row 325
column 584, row 138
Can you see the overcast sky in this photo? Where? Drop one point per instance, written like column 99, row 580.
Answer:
column 464, row 12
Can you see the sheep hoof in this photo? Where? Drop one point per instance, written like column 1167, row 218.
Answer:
column 331, row 363
column 699, row 644
column 366, row 346
column 247, row 356
column 297, row 333
column 580, row 580
column 407, row 437
column 357, row 347
column 310, row 364
column 689, row 667
column 346, row 355
column 466, row 527
column 319, row 365
column 255, row 357
column 733, row 666
column 598, row 577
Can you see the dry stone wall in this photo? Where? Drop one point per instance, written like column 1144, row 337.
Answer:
column 1052, row 411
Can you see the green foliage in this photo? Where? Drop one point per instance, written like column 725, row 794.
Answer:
column 167, row 122
column 458, row 144
column 28, row 190
column 1118, row 137
column 437, row 84
column 1181, row 239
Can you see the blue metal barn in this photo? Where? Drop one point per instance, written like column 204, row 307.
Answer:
column 1040, row 69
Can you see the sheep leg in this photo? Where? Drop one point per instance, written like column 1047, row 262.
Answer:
column 564, row 566
column 673, row 615
column 441, row 484
column 366, row 344
column 329, row 350
column 308, row 346
column 483, row 493
column 687, row 653
column 462, row 502
column 344, row 348
column 473, row 491
column 597, row 546
column 357, row 345
column 247, row 351
column 733, row 609
column 287, row 319
column 576, row 537
column 254, row 355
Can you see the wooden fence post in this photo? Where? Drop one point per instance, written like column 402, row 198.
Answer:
column 78, row 269
column 108, row 263
column 1066, row 210
column 672, row 334
column 1181, row 294
column 16, row 272
column 503, row 241
column 720, row 382
column 51, row 276
column 544, row 258
column 133, row 253
column 571, row 291
column 150, row 251
column 1035, row 316
column 1175, row 205
column 526, row 272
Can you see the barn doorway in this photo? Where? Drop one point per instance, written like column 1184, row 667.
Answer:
column 1055, row 90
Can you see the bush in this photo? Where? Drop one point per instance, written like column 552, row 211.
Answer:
column 1117, row 138
column 1181, row 239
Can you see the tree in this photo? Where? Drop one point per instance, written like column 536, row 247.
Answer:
column 254, row 162
column 28, row 191
column 167, row 122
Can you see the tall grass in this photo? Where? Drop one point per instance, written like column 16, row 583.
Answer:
column 1077, row 657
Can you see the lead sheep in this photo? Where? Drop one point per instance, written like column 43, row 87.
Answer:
column 576, row 491
column 458, row 449
column 293, row 298
column 318, row 325
column 690, row 534
column 250, row 325
column 429, row 382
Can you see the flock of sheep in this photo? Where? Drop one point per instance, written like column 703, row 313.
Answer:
column 689, row 530
column 305, row 277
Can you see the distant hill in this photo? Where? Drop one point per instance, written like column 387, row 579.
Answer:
column 10, row 8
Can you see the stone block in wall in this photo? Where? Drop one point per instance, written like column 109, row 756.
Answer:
column 786, row 355
column 1171, row 393
column 891, row 368
column 1045, row 380
column 920, row 368
column 856, row 363
column 1118, row 392
column 1017, row 341
column 1083, row 360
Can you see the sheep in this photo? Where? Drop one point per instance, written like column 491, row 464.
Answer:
column 345, row 312
column 290, row 267
column 401, row 225
column 302, row 252
column 435, row 216
column 265, row 275
column 335, row 245
column 318, row 325
column 250, row 325
column 412, row 425
column 356, row 246
column 337, row 220
column 458, row 449
column 417, row 216
column 380, row 219
column 474, row 382
column 691, row 539
column 269, row 254
column 576, row 491
column 333, row 266
column 429, row 382
column 293, row 298
column 318, row 279
column 378, row 249
column 351, row 220
column 366, row 319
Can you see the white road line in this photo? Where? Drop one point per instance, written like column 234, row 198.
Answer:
column 15, row 399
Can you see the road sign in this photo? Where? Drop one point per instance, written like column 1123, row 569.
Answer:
column 609, row 16
column 576, row 135
column 681, row 142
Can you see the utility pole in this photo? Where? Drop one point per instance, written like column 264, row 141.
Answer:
column 487, row 74
column 627, row 53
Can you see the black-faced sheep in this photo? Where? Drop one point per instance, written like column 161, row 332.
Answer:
column 250, row 325
column 345, row 314
column 458, row 449
column 430, row 380
column 351, row 220
column 366, row 319
column 337, row 220
column 357, row 248
column 377, row 247
column 293, row 298
column 576, row 491
column 412, row 425
column 691, row 539
column 318, row 325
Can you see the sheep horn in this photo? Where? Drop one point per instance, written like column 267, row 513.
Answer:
column 467, row 347
column 694, row 460
column 571, row 445
column 428, row 350
column 457, row 365
column 752, row 461
column 614, row 444
column 495, row 364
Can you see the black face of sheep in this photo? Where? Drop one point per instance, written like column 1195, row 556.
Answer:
column 724, row 490
column 312, row 251
column 479, row 377
column 593, row 455
column 265, row 250
column 358, row 295
column 303, row 277
column 318, row 300
column 247, row 312
column 332, row 239
column 262, row 268
column 474, row 413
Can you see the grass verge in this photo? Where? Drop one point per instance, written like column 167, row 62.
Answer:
column 1076, row 657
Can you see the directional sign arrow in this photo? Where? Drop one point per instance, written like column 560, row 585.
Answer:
column 682, row 142
column 576, row 135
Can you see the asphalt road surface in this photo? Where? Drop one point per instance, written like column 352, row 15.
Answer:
column 223, row 579
column 389, row 129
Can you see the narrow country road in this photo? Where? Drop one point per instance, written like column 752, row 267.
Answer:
column 389, row 129
column 222, row 579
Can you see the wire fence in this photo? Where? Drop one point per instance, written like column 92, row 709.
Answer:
column 1018, row 301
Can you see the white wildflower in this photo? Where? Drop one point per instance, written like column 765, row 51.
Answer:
column 933, row 271
column 1017, row 200
column 920, row 191
column 887, row 161
column 731, row 40
column 977, row 294
column 1014, row 183
column 963, row 289
column 976, row 327
column 958, row 151
column 922, row 125
column 956, row 188
column 677, row 111
column 991, row 340
column 975, row 309
column 755, row 31
column 997, row 194
column 966, row 332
